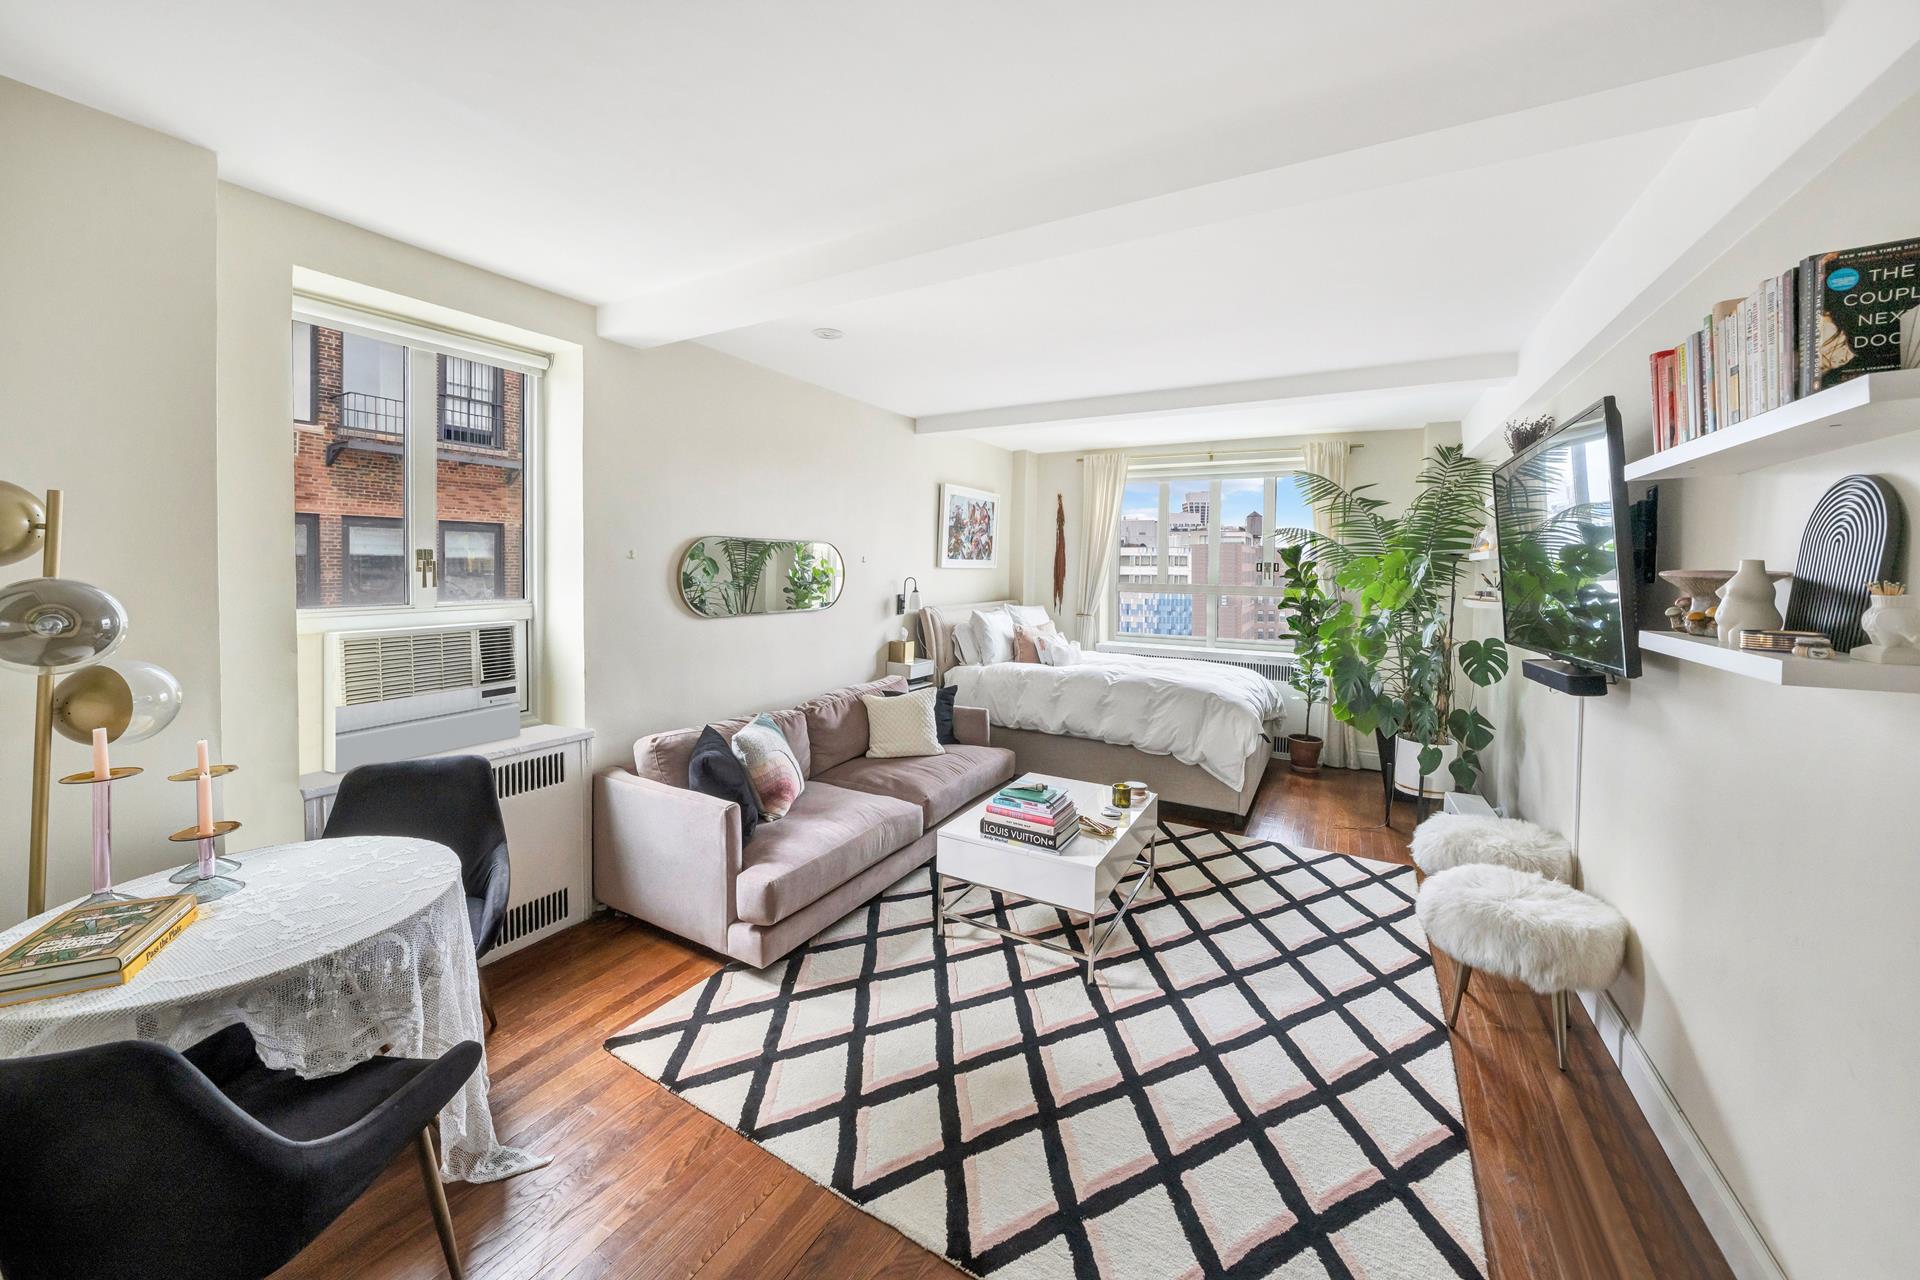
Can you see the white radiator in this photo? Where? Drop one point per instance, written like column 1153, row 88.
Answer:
column 546, row 800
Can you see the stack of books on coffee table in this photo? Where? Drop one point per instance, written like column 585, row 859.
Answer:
column 1032, row 814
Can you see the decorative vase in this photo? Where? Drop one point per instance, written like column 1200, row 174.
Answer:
column 1893, row 624
column 1747, row 603
column 1406, row 770
column 1303, row 752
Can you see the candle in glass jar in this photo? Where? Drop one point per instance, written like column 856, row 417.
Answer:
column 100, row 767
column 205, row 788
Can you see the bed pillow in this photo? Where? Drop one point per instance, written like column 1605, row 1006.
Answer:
column 1031, row 615
column 992, row 635
column 771, row 766
column 942, row 713
column 715, row 771
column 965, row 649
column 902, row 726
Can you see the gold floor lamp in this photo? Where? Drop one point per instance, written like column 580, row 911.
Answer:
column 52, row 625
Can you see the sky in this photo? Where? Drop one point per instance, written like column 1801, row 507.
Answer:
column 1237, row 499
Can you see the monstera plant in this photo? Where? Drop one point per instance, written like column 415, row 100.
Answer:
column 1390, row 646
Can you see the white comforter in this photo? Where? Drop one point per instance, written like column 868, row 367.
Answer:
column 1201, row 713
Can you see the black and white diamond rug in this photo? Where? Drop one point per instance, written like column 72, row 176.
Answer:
column 1259, row 1084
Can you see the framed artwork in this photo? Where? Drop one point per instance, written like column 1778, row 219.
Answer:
column 969, row 528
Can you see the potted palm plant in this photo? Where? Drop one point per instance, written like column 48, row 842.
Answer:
column 1391, row 652
column 1309, row 608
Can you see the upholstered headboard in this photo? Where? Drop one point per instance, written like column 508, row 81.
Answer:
column 935, row 623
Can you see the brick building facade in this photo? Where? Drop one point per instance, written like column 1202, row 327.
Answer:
column 349, row 477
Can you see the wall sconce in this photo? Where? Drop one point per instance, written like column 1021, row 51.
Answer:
column 909, row 597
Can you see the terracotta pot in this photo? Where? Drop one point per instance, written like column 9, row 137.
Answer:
column 1303, row 752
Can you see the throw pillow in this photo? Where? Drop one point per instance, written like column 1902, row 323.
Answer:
column 771, row 766
column 993, row 635
column 964, row 647
column 1026, row 643
column 942, row 713
column 1058, row 651
column 901, row 726
column 715, row 771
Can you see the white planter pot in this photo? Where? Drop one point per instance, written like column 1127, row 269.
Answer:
column 1406, row 768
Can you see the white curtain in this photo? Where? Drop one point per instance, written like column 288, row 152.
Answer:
column 1329, row 459
column 1103, row 479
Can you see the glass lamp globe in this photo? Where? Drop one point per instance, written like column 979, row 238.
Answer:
column 57, row 624
column 131, row 699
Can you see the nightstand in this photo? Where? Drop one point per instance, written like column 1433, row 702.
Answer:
column 919, row 672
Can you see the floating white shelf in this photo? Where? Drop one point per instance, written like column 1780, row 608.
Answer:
column 1870, row 408
column 1471, row 603
column 1837, row 672
column 1477, row 556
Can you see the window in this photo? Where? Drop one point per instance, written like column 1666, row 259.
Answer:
column 425, row 446
column 373, row 385
column 1195, row 560
column 375, row 560
column 470, row 402
column 306, row 559
column 303, row 372
column 473, row 562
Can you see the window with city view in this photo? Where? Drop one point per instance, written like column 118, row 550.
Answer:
column 1195, row 560
column 367, row 406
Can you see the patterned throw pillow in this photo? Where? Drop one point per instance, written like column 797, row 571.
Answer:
column 1026, row 640
column 771, row 766
column 902, row 726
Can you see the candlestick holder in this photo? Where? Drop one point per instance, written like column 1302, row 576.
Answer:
column 224, row 865
column 208, row 876
column 103, row 890
column 207, row 883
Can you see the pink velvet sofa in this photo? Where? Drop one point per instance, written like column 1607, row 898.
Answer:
column 673, row 856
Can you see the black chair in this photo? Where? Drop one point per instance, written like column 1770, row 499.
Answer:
column 450, row 800
column 133, row 1159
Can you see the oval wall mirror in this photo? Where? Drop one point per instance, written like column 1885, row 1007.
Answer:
column 729, row 577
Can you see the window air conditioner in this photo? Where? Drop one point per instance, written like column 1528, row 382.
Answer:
column 394, row 695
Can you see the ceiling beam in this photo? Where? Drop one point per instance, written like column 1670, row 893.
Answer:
column 1472, row 370
column 1233, row 173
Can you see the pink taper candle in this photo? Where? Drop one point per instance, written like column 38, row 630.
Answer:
column 200, row 754
column 100, row 767
column 205, row 788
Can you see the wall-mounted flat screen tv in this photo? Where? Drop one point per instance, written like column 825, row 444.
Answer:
column 1562, row 527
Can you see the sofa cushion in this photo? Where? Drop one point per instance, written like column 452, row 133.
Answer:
column 940, row 785
column 664, row 757
column 830, row 835
column 837, row 724
column 717, row 772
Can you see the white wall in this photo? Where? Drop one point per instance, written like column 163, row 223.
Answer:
column 107, row 359
column 144, row 335
column 1761, row 841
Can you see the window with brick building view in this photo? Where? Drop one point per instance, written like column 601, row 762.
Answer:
column 364, row 405
column 1192, row 563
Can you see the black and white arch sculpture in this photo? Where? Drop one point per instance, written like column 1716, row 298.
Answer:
column 1856, row 535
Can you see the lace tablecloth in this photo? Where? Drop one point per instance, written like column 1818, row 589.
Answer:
column 335, row 951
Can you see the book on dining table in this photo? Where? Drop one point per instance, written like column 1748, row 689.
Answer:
column 91, row 946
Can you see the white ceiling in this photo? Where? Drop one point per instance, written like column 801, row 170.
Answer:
column 1004, row 205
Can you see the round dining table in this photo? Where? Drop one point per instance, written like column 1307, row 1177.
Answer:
column 333, row 952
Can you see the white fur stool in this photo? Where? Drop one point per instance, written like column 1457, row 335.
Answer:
column 1458, row 840
column 1520, row 925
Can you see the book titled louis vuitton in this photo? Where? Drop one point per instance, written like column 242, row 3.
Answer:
column 94, row 945
column 1859, row 313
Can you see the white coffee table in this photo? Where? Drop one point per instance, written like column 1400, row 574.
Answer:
column 1080, row 879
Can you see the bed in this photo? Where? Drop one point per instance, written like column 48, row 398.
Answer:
column 1199, row 733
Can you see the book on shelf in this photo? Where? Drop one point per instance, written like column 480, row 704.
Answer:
column 1739, row 363
column 91, row 946
column 1051, row 841
column 1859, row 312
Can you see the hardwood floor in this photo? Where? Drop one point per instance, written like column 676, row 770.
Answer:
column 1571, row 1180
